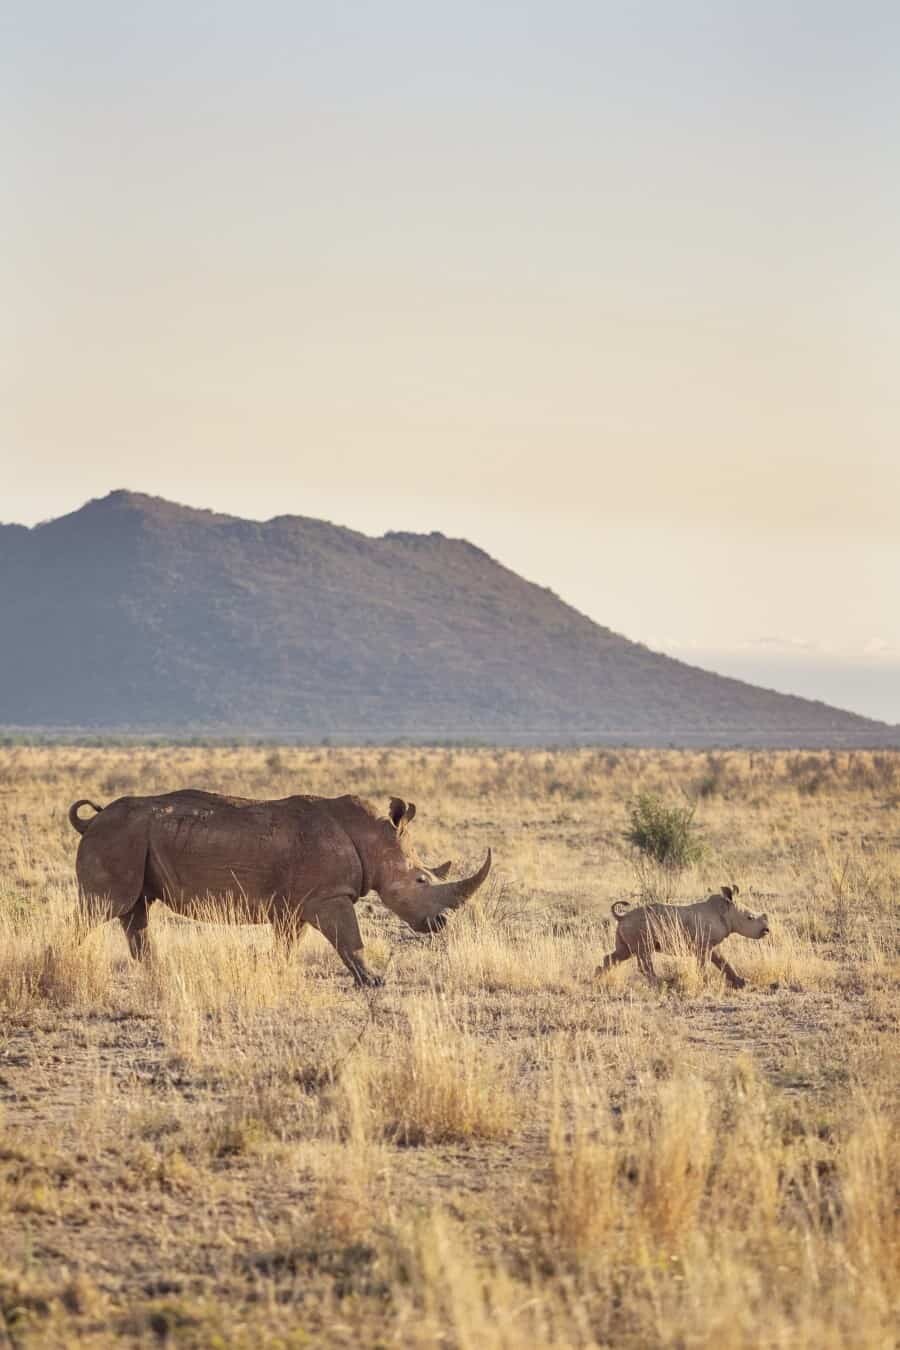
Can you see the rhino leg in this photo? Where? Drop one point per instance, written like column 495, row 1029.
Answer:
column 110, row 867
column 336, row 920
column 733, row 979
column 135, row 925
column 644, row 953
column 621, row 953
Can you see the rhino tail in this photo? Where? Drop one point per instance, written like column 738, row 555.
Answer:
column 619, row 909
column 75, row 820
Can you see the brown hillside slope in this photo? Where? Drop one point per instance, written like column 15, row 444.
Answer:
column 134, row 612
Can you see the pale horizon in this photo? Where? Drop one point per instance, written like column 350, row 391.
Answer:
column 613, row 295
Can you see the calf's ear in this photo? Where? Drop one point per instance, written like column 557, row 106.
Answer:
column 730, row 892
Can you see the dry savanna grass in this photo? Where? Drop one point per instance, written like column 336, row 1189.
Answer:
column 230, row 1146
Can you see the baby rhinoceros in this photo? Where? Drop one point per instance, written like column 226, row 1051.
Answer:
column 701, row 927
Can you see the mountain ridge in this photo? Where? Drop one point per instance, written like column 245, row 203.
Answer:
column 176, row 618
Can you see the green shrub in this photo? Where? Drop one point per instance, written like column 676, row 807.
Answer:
column 665, row 834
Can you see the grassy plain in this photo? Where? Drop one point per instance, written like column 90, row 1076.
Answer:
column 233, row 1147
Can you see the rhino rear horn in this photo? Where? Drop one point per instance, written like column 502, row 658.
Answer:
column 442, row 871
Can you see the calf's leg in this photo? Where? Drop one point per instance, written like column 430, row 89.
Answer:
column 621, row 953
column 644, row 954
column 734, row 980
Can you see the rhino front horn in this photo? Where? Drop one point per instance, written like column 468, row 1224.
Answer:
column 455, row 893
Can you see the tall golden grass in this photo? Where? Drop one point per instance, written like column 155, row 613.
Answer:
column 231, row 1146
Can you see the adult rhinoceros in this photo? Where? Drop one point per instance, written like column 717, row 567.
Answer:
column 301, row 860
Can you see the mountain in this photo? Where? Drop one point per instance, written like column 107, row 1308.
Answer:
column 134, row 613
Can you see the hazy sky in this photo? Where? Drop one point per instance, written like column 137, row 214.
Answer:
column 611, row 289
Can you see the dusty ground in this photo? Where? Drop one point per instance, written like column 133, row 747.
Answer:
column 232, row 1147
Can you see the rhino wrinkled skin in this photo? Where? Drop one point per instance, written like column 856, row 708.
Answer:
column 300, row 860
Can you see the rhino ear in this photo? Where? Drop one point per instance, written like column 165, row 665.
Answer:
column 442, row 871
column 396, row 811
column 400, row 811
column 730, row 892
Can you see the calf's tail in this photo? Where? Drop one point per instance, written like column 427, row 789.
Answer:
column 75, row 821
column 619, row 909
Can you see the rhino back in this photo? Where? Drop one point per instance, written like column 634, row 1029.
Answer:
column 202, row 844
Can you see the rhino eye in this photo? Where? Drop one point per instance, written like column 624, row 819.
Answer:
column 421, row 879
